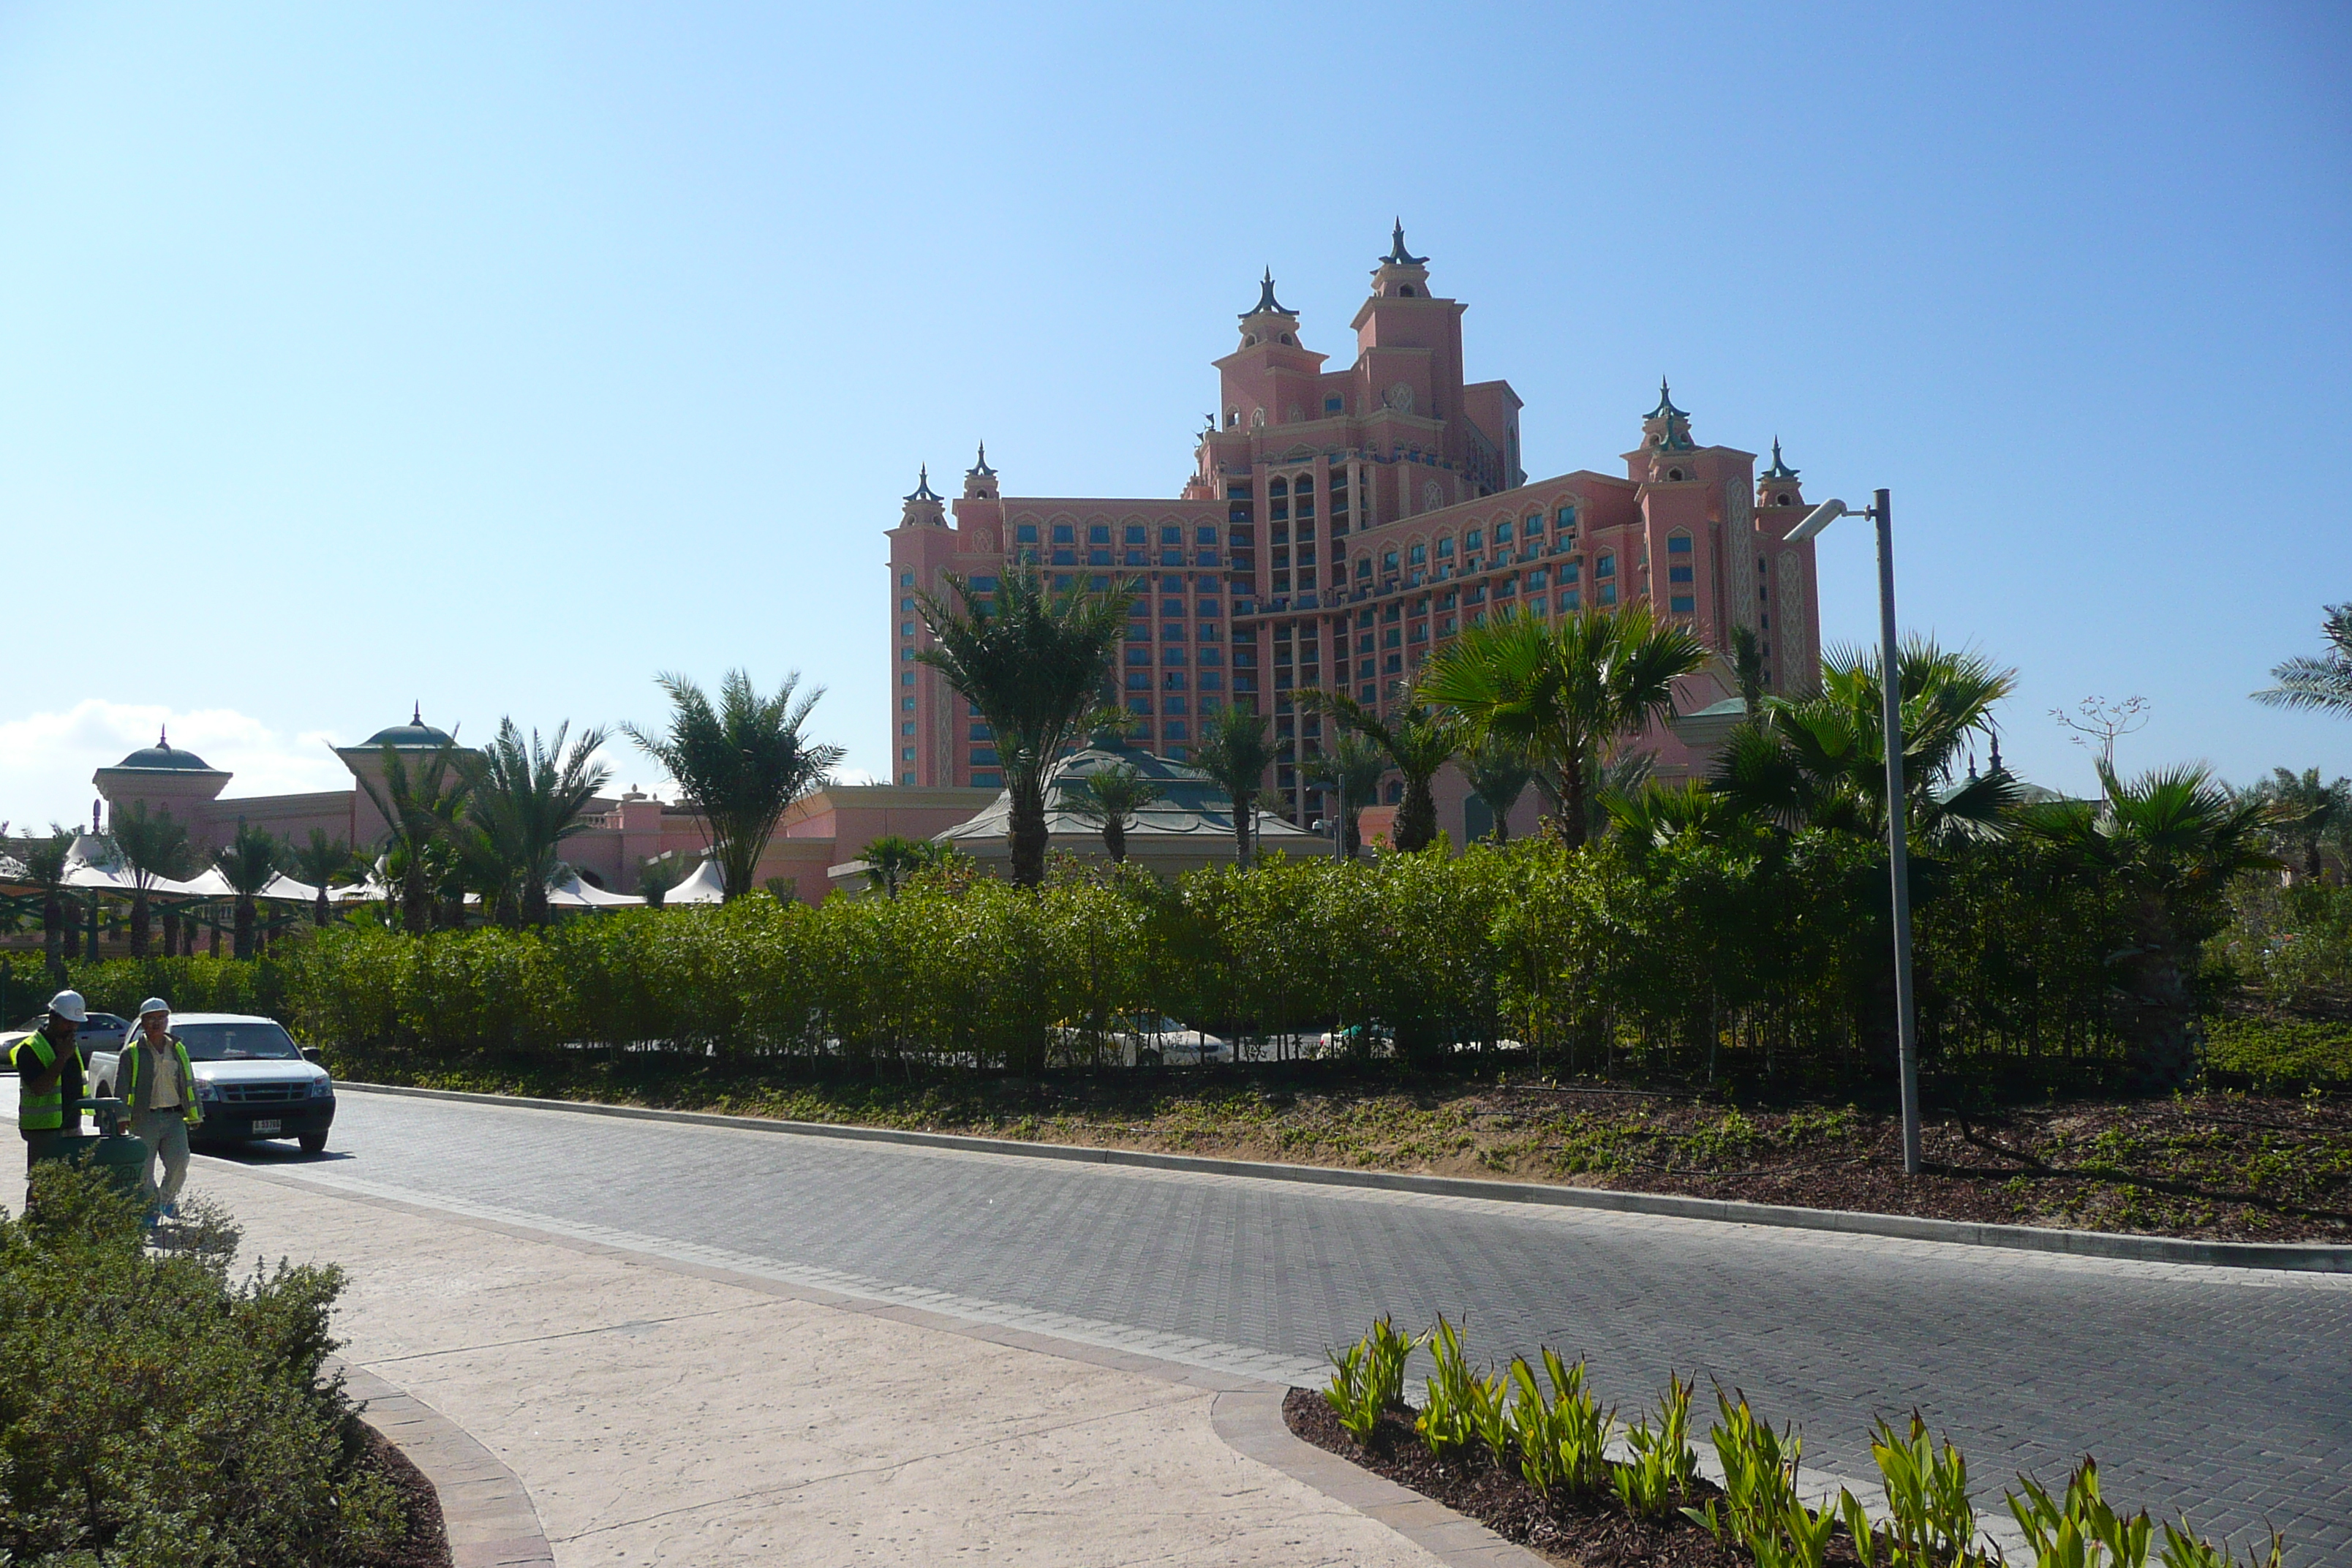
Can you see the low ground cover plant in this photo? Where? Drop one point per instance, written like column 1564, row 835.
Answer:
column 1559, row 1442
column 156, row 1411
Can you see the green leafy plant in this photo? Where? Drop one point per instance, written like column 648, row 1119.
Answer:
column 1368, row 1378
column 2079, row 1530
column 1934, row 1523
column 1561, row 1438
column 1759, row 1474
column 1664, row 1464
column 2184, row 1548
column 1461, row 1406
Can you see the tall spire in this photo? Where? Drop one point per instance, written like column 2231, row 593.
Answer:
column 1398, row 255
column 923, row 491
column 980, row 470
column 1778, row 470
column 163, row 737
column 1266, row 303
column 1665, row 408
column 416, row 714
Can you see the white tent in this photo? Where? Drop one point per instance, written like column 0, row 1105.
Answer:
column 574, row 893
column 705, row 887
column 93, row 865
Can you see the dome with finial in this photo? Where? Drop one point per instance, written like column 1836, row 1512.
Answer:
column 162, row 757
column 1267, row 305
column 415, row 734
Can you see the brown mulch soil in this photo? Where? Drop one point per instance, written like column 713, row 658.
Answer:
column 426, row 1545
column 1595, row 1533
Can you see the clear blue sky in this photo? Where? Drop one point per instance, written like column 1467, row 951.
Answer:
column 498, row 357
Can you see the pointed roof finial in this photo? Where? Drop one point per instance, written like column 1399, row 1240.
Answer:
column 1398, row 255
column 1266, row 303
column 923, row 491
column 980, row 470
column 1665, row 408
column 163, row 737
column 416, row 714
column 1778, row 470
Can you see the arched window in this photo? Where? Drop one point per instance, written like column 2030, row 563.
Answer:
column 1445, row 548
column 1420, row 556
column 1405, row 292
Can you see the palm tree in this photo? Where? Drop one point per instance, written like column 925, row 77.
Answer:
column 893, row 857
column 320, row 862
column 742, row 763
column 1036, row 665
column 1351, row 771
column 2322, row 681
column 2171, row 841
column 248, row 863
column 417, row 808
column 154, row 847
column 2303, row 813
column 656, row 875
column 1234, row 751
column 1498, row 775
column 1417, row 743
column 1109, row 798
column 1820, row 762
column 45, row 864
column 1565, row 693
column 1747, row 653
column 526, row 801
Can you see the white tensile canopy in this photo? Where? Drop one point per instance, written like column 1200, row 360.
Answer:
column 574, row 892
column 705, row 887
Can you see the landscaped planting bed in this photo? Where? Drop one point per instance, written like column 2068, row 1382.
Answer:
column 1535, row 1456
column 2217, row 1165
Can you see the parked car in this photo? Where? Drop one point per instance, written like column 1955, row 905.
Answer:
column 102, row 1027
column 1154, row 1039
column 251, row 1078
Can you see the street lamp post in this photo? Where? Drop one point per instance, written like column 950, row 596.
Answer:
column 1898, row 850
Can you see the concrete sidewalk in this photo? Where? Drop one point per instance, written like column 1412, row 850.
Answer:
column 657, row 1412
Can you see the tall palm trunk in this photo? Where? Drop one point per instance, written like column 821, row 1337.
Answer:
column 53, row 933
column 141, row 922
column 244, row 913
column 1026, row 829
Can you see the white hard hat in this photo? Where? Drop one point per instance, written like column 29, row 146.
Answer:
column 154, row 1004
column 66, row 1005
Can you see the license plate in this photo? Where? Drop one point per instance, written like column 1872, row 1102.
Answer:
column 265, row 1127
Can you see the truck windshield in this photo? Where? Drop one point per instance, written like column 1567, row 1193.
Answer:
column 237, row 1043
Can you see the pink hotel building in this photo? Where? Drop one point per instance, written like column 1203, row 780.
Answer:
column 1340, row 525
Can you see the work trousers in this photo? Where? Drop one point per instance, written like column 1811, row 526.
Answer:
column 165, row 1133
column 39, row 1143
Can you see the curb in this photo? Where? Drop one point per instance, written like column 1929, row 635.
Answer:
column 2299, row 1256
column 486, row 1510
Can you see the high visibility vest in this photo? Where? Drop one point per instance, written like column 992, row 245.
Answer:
column 135, row 1058
column 38, row 1112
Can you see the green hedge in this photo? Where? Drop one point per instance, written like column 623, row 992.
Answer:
column 1765, row 960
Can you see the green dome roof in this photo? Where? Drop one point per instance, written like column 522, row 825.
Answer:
column 161, row 757
column 415, row 733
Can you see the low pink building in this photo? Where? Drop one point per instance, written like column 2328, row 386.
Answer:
column 1340, row 524
column 623, row 833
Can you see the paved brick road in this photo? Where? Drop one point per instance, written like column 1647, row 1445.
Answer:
column 2207, row 1387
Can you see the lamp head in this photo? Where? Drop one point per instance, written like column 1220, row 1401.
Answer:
column 1820, row 518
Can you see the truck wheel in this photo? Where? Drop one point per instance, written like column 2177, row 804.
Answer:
column 314, row 1142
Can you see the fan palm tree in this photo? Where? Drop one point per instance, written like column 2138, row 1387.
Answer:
column 2172, row 841
column 320, row 862
column 525, row 800
column 45, row 864
column 1564, row 693
column 1499, row 774
column 1109, row 798
column 2303, row 813
column 249, row 862
column 740, row 764
column 893, row 857
column 2320, row 681
column 1820, row 762
column 1351, row 769
column 1234, row 751
column 154, row 847
column 418, row 806
column 1417, row 742
column 1035, row 664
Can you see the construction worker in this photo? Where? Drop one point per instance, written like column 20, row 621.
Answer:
column 159, row 1087
column 48, row 1077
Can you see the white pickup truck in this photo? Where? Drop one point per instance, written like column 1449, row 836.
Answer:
column 251, row 1079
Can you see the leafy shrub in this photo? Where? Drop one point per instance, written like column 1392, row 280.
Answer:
column 1368, row 1378
column 1664, row 1464
column 1934, row 1516
column 2281, row 1054
column 1561, row 1441
column 1759, row 1475
column 155, row 1415
column 1461, row 1406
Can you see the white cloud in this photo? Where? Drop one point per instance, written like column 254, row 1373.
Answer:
column 46, row 759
